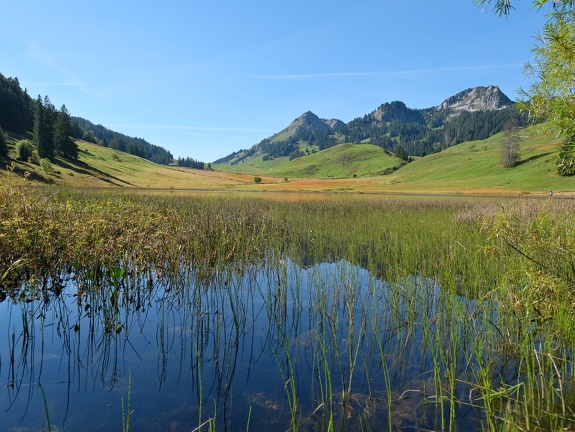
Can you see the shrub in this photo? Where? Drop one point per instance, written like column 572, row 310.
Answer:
column 25, row 149
column 257, row 179
column 46, row 166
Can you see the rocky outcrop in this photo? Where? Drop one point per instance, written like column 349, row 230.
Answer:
column 334, row 124
column 476, row 99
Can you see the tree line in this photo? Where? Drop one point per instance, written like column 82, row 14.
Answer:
column 54, row 131
column 103, row 136
column 189, row 162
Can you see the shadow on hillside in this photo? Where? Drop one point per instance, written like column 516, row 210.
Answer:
column 31, row 174
column 532, row 158
column 83, row 168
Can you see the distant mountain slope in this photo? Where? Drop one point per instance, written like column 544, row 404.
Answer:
column 101, row 135
column 472, row 114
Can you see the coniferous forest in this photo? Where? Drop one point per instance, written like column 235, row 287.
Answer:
column 54, row 130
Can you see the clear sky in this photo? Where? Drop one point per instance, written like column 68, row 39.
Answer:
column 206, row 78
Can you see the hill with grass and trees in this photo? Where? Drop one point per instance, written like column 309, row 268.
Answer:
column 472, row 114
column 53, row 132
column 470, row 167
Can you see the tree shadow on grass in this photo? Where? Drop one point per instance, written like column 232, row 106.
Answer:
column 83, row 168
column 529, row 159
column 31, row 174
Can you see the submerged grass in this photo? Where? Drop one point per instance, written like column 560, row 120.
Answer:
column 463, row 312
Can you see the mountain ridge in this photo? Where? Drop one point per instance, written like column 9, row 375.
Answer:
column 390, row 126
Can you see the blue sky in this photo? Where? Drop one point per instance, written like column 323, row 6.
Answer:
column 206, row 78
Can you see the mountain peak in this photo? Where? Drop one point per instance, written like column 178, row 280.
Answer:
column 477, row 99
column 310, row 121
column 306, row 121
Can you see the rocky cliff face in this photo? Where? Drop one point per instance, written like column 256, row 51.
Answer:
column 476, row 99
column 333, row 124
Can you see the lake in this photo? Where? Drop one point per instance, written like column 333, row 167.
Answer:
column 327, row 344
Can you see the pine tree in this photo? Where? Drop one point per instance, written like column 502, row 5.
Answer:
column 3, row 143
column 43, row 136
column 65, row 145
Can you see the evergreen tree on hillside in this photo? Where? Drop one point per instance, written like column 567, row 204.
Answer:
column 65, row 145
column 136, row 150
column 191, row 163
column 401, row 153
column 3, row 143
column 50, row 118
column 16, row 106
column 43, row 129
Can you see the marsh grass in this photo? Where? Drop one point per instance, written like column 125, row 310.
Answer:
column 380, row 314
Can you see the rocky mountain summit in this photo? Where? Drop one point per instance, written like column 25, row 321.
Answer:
column 476, row 99
column 309, row 121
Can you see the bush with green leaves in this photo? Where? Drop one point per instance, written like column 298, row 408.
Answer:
column 25, row 149
column 46, row 165
column 257, row 179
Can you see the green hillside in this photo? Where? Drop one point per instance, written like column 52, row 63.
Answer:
column 476, row 166
column 471, row 167
column 99, row 166
column 341, row 161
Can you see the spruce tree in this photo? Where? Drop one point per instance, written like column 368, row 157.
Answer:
column 43, row 137
column 3, row 143
column 65, row 145
column 49, row 123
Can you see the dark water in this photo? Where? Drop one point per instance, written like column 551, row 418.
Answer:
column 239, row 349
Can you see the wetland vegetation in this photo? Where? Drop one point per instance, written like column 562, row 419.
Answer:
column 238, row 312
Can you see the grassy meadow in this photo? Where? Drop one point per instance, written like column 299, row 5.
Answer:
column 427, row 313
column 339, row 162
column 467, row 168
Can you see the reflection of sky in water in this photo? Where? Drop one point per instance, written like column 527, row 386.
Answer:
column 227, row 346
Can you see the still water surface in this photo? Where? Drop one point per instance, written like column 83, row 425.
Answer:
column 239, row 350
